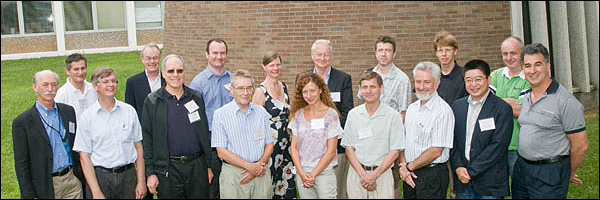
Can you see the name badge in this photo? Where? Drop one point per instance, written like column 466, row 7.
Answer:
column 259, row 134
column 71, row 127
column 194, row 116
column 317, row 123
column 191, row 106
column 83, row 104
column 336, row 97
column 487, row 124
column 364, row 133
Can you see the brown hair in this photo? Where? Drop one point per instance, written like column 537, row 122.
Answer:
column 270, row 57
column 444, row 38
column 101, row 72
column 368, row 75
column 299, row 102
column 386, row 39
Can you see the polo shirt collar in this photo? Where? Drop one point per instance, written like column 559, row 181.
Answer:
column 168, row 95
column 86, row 87
column 505, row 73
column 553, row 87
column 363, row 110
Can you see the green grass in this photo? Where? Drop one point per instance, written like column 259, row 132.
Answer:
column 18, row 96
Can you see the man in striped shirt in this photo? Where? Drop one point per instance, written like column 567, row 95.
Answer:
column 240, row 136
column 429, row 135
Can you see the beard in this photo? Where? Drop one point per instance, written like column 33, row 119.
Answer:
column 424, row 96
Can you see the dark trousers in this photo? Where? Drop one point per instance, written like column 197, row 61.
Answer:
column 115, row 185
column 431, row 183
column 216, row 169
column 184, row 180
column 541, row 181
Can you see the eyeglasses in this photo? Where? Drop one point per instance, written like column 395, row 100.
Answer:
column 171, row 71
column 248, row 89
column 474, row 80
column 447, row 51
column 107, row 81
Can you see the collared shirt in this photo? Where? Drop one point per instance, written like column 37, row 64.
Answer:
column 452, row 86
column 430, row 125
column 243, row 133
column 109, row 136
column 214, row 89
column 373, row 137
column 397, row 93
column 56, row 131
column 328, row 74
column 472, row 115
column 546, row 123
column 312, row 143
column 154, row 84
column 181, row 134
column 72, row 96
column 513, row 87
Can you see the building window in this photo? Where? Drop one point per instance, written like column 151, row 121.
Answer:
column 148, row 14
column 37, row 17
column 78, row 15
column 111, row 14
column 10, row 18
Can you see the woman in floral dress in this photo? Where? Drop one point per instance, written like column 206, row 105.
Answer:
column 272, row 94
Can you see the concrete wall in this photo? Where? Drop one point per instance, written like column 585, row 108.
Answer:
column 11, row 45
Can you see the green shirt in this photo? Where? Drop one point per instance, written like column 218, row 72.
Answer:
column 513, row 87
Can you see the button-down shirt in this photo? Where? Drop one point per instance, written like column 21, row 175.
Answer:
column 243, row 133
column 397, row 93
column 56, row 132
column 546, row 123
column 181, row 134
column 72, row 96
column 373, row 137
column 328, row 74
column 312, row 143
column 472, row 115
column 109, row 136
column 154, row 84
column 214, row 89
column 430, row 125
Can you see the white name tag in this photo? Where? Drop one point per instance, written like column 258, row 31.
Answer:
column 191, row 106
column 487, row 124
column 336, row 97
column 194, row 116
column 364, row 133
column 317, row 123
column 71, row 127
column 83, row 104
column 259, row 134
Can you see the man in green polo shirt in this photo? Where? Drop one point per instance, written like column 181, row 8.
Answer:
column 509, row 83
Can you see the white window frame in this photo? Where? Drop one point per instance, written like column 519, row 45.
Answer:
column 21, row 24
column 162, row 7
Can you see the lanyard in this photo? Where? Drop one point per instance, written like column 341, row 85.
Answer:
column 62, row 137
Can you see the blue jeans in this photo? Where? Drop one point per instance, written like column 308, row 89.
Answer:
column 512, row 159
column 470, row 193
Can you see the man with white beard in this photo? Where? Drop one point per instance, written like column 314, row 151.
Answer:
column 429, row 130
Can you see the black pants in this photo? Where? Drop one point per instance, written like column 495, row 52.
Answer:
column 184, row 180
column 115, row 185
column 541, row 181
column 431, row 183
column 216, row 169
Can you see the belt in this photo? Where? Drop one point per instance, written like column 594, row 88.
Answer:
column 185, row 158
column 546, row 161
column 62, row 172
column 369, row 168
column 115, row 170
column 432, row 165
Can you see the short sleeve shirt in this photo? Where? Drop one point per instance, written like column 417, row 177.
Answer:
column 214, row 89
column 546, row 123
column 312, row 142
column 397, row 93
column 373, row 137
column 72, row 96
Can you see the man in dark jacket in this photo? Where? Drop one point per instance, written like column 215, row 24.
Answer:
column 150, row 80
column 482, row 132
column 45, row 163
column 176, row 138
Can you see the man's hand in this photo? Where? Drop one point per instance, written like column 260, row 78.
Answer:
column 140, row 189
column 463, row 175
column 210, row 175
column 407, row 176
column 369, row 181
column 256, row 169
column 575, row 179
column 247, row 178
column 152, row 183
column 98, row 195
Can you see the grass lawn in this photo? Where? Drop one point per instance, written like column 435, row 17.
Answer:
column 17, row 96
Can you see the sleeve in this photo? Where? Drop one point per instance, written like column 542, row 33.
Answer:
column 456, row 153
column 407, row 95
column 397, row 131
column 219, row 134
column 83, row 138
column 572, row 116
column 130, row 93
column 147, row 136
column 267, row 126
column 195, row 84
column 21, row 151
column 442, row 133
column 137, row 127
column 205, row 142
column 347, row 99
column 61, row 96
column 347, row 137
column 293, row 126
column 332, row 121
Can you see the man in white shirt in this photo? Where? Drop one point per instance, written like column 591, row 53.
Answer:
column 76, row 91
column 429, row 137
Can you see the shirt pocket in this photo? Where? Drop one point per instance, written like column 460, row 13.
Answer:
column 424, row 136
column 545, row 119
column 125, row 134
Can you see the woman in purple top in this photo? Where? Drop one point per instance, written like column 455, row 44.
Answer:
column 315, row 126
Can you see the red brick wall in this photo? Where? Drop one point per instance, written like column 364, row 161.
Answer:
column 252, row 28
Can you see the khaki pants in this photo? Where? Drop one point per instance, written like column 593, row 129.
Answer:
column 67, row 186
column 324, row 188
column 341, row 173
column 230, row 188
column 385, row 186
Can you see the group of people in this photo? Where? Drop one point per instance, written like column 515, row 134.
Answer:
column 224, row 136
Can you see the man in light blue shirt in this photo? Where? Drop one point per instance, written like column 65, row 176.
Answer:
column 240, row 136
column 213, row 84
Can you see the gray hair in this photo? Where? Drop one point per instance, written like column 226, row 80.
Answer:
column 423, row 66
column 150, row 45
column 172, row 56
column 535, row 48
column 39, row 73
column 322, row 41
column 239, row 74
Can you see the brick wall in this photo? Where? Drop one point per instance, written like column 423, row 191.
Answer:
column 252, row 28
